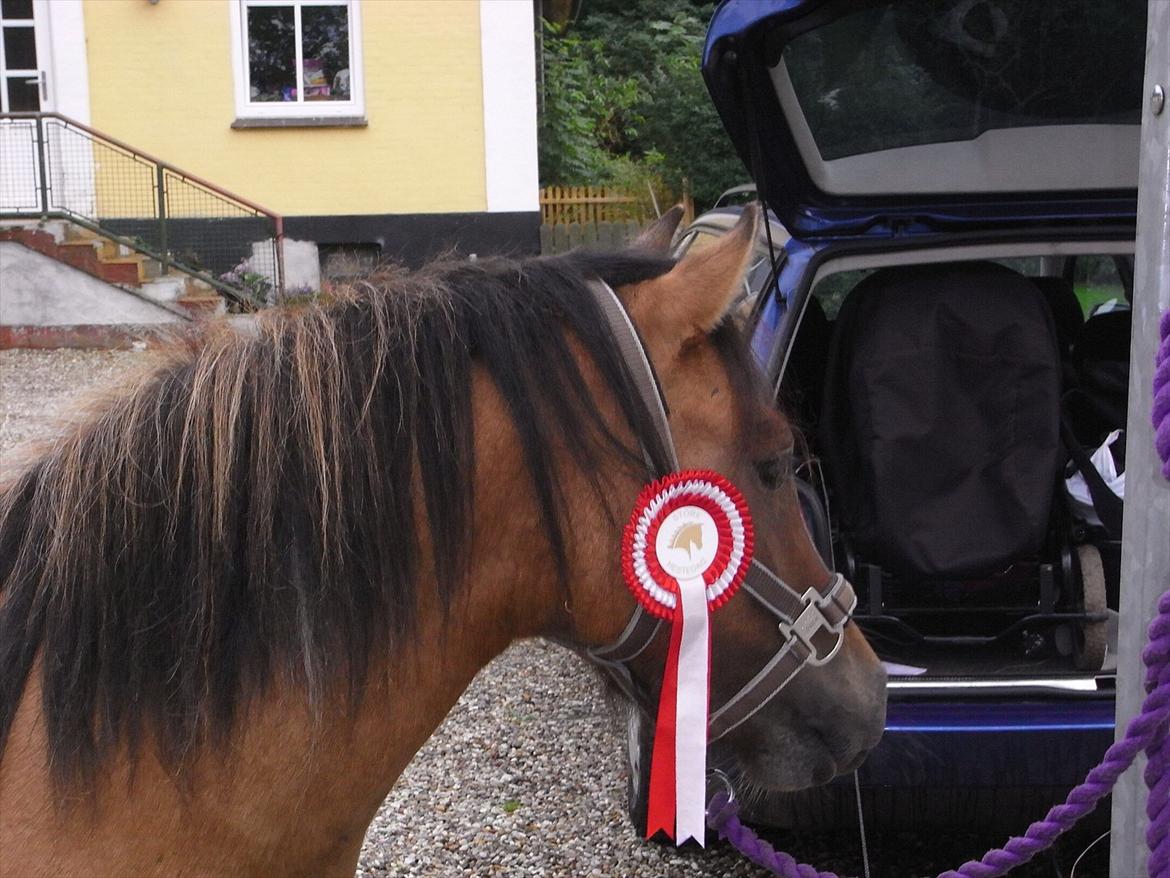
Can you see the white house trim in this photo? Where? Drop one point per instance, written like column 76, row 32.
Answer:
column 508, row 52
column 68, row 67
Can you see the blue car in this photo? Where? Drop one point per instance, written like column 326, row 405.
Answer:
column 953, row 186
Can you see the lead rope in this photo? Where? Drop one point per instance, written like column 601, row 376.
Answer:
column 1148, row 731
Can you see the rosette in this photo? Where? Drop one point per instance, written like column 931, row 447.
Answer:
column 685, row 551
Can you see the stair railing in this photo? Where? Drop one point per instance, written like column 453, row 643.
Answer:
column 53, row 167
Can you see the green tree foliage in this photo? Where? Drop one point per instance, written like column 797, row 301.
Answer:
column 625, row 104
column 584, row 103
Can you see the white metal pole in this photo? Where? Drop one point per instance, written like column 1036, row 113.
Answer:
column 1145, row 553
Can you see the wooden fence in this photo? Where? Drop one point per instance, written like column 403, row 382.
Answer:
column 597, row 216
column 561, row 205
column 595, row 235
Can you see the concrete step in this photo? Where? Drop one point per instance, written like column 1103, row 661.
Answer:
column 42, row 242
column 75, row 233
column 79, row 246
column 57, row 229
column 80, row 254
column 122, row 266
column 202, row 307
column 121, row 271
column 130, row 267
column 164, row 289
column 196, row 287
column 43, row 293
column 112, row 249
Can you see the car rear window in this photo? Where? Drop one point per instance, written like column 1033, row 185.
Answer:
column 1097, row 281
column 910, row 73
column 831, row 290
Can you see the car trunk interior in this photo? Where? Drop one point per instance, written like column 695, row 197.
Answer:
column 932, row 399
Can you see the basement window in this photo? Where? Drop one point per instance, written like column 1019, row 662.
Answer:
column 297, row 62
column 341, row 262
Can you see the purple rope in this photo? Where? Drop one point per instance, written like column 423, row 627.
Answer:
column 1146, row 731
column 1161, row 413
column 723, row 817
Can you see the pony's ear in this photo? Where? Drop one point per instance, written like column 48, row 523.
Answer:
column 694, row 296
column 656, row 237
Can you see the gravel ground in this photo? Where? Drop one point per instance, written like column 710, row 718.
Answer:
column 38, row 389
column 525, row 776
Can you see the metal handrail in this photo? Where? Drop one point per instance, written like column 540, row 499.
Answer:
column 138, row 153
column 161, row 169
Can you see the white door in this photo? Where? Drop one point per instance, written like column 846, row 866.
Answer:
column 24, row 87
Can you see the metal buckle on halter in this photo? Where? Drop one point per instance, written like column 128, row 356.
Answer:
column 716, row 779
column 811, row 621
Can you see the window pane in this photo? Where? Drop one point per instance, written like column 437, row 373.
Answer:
column 924, row 71
column 20, row 48
column 16, row 9
column 1032, row 266
column 757, row 274
column 325, row 52
column 1098, row 283
column 702, row 241
column 341, row 261
column 272, row 54
column 23, row 97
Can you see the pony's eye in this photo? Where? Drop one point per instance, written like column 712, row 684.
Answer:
column 773, row 472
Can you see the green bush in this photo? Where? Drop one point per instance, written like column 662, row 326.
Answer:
column 624, row 103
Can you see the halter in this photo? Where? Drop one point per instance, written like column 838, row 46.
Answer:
column 811, row 624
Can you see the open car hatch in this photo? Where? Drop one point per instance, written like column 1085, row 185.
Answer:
column 924, row 116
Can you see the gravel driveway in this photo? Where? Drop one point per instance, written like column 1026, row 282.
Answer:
column 525, row 776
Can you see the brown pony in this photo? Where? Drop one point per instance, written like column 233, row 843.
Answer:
column 236, row 601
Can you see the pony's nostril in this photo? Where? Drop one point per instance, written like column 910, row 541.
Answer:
column 849, row 740
column 824, row 772
column 856, row 762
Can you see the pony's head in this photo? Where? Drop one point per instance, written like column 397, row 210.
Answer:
column 825, row 720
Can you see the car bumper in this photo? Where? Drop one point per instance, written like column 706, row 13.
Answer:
column 978, row 763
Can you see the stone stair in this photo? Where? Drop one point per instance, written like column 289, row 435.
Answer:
column 118, row 265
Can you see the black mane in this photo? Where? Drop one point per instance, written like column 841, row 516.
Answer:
column 246, row 514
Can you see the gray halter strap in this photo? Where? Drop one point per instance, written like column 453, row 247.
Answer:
column 811, row 624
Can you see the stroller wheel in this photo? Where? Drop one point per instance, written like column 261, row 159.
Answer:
column 1091, row 655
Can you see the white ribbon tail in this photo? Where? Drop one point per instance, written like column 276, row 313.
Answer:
column 690, row 747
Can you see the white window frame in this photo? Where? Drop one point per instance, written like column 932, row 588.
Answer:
column 275, row 111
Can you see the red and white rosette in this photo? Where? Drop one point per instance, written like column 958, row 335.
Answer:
column 685, row 551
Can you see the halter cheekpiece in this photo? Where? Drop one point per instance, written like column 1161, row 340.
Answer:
column 686, row 550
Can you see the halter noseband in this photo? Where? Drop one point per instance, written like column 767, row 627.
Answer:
column 811, row 624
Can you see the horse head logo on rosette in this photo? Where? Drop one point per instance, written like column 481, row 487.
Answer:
column 688, row 533
column 685, row 551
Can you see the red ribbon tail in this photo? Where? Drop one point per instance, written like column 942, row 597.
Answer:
column 660, row 812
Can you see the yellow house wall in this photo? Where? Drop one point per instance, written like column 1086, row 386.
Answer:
column 160, row 79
